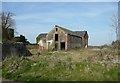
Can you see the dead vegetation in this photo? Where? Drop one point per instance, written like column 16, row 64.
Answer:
column 79, row 64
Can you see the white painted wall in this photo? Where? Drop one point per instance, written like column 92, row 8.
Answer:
column 49, row 42
column 42, row 43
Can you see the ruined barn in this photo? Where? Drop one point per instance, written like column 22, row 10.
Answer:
column 60, row 38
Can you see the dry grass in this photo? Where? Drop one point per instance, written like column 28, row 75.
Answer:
column 79, row 64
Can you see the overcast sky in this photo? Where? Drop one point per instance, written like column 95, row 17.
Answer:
column 40, row 17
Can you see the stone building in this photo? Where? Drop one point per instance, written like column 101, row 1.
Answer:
column 41, row 41
column 60, row 38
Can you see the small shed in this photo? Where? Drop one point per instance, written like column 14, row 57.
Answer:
column 41, row 41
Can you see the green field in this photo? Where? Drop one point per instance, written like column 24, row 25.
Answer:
column 73, row 65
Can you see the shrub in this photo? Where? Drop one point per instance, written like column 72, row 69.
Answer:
column 116, row 44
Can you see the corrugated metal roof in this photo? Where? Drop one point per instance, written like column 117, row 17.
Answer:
column 76, row 33
column 81, row 33
column 42, row 35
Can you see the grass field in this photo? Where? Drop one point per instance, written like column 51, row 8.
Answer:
column 73, row 65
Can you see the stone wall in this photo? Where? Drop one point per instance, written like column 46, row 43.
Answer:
column 61, row 37
column 74, row 42
column 17, row 49
column 65, row 36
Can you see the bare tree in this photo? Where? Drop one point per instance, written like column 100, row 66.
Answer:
column 115, row 24
column 7, row 23
column 116, row 27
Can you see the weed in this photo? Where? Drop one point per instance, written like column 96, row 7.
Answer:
column 61, row 66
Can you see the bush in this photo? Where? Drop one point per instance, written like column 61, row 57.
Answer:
column 116, row 44
column 47, row 52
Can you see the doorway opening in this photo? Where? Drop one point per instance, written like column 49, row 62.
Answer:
column 62, row 45
column 56, row 37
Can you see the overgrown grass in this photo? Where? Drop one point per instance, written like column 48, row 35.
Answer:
column 61, row 66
